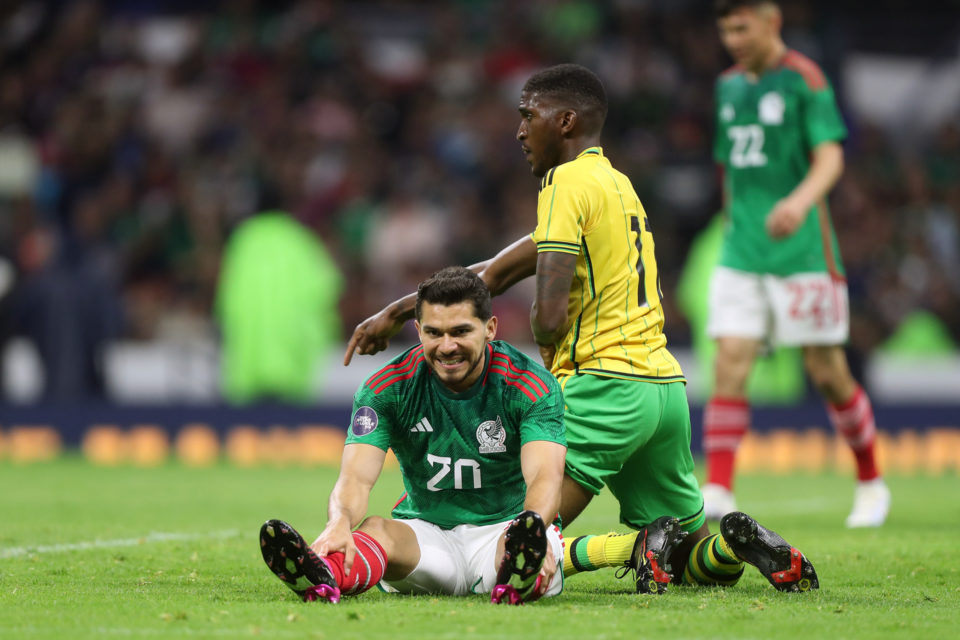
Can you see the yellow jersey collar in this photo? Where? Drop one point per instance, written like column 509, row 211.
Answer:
column 590, row 151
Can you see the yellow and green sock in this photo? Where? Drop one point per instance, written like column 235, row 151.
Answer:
column 589, row 553
column 713, row 562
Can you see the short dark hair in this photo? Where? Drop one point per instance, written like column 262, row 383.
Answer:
column 573, row 84
column 453, row 285
column 723, row 8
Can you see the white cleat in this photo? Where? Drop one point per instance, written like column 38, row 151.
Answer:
column 717, row 501
column 871, row 504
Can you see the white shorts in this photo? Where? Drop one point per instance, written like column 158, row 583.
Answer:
column 797, row 310
column 461, row 561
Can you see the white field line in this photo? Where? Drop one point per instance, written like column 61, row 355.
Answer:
column 16, row 552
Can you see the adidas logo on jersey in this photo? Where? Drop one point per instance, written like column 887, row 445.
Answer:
column 422, row 426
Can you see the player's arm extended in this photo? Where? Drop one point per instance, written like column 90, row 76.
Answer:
column 542, row 465
column 825, row 169
column 548, row 317
column 359, row 469
column 514, row 263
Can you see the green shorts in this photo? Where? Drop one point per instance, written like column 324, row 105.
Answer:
column 633, row 437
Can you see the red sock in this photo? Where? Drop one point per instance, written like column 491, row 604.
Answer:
column 853, row 420
column 725, row 422
column 368, row 565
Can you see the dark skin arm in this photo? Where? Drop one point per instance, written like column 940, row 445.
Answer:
column 511, row 265
column 548, row 317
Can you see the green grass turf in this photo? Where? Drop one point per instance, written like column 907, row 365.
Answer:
column 901, row 581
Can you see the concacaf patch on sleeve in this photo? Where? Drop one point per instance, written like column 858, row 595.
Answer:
column 364, row 421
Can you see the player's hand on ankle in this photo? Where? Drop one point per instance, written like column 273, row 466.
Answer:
column 336, row 537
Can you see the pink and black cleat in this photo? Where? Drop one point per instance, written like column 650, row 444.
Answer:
column 524, row 549
column 293, row 561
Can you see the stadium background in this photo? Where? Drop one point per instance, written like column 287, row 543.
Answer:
column 135, row 136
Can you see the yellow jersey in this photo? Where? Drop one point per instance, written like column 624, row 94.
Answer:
column 589, row 209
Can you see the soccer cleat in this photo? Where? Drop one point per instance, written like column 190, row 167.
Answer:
column 871, row 504
column 784, row 566
column 293, row 561
column 717, row 501
column 524, row 549
column 650, row 559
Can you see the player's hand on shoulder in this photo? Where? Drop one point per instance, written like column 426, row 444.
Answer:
column 785, row 218
column 372, row 335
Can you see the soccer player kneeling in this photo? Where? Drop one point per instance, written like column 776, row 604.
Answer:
column 477, row 427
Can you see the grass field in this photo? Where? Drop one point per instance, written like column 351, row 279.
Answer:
column 99, row 552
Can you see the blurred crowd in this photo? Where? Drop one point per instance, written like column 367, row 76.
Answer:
column 134, row 136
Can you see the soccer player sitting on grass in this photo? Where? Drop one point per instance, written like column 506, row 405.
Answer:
column 598, row 321
column 477, row 427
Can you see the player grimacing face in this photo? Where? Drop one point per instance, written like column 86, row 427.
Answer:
column 539, row 132
column 454, row 342
column 750, row 35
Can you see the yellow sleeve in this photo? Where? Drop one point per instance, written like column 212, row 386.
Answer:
column 562, row 210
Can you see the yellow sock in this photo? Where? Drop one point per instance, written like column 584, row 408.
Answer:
column 713, row 562
column 589, row 553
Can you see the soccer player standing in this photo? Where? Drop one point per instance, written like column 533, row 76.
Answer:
column 477, row 427
column 779, row 278
column 598, row 321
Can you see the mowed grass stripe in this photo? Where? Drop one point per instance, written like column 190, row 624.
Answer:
column 13, row 552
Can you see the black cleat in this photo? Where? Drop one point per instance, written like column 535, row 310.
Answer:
column 292, row 560
column 784, row 566
column 650, row 560
column 524, row 549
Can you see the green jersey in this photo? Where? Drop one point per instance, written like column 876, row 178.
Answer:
column 766, row 130
column 459, row 453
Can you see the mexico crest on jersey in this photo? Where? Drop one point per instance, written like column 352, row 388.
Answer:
column 491, row 436
column 771, row 108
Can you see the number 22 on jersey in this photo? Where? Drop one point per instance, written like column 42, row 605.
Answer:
column 747, row 147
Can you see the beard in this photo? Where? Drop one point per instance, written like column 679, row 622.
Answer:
column 452, row 379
